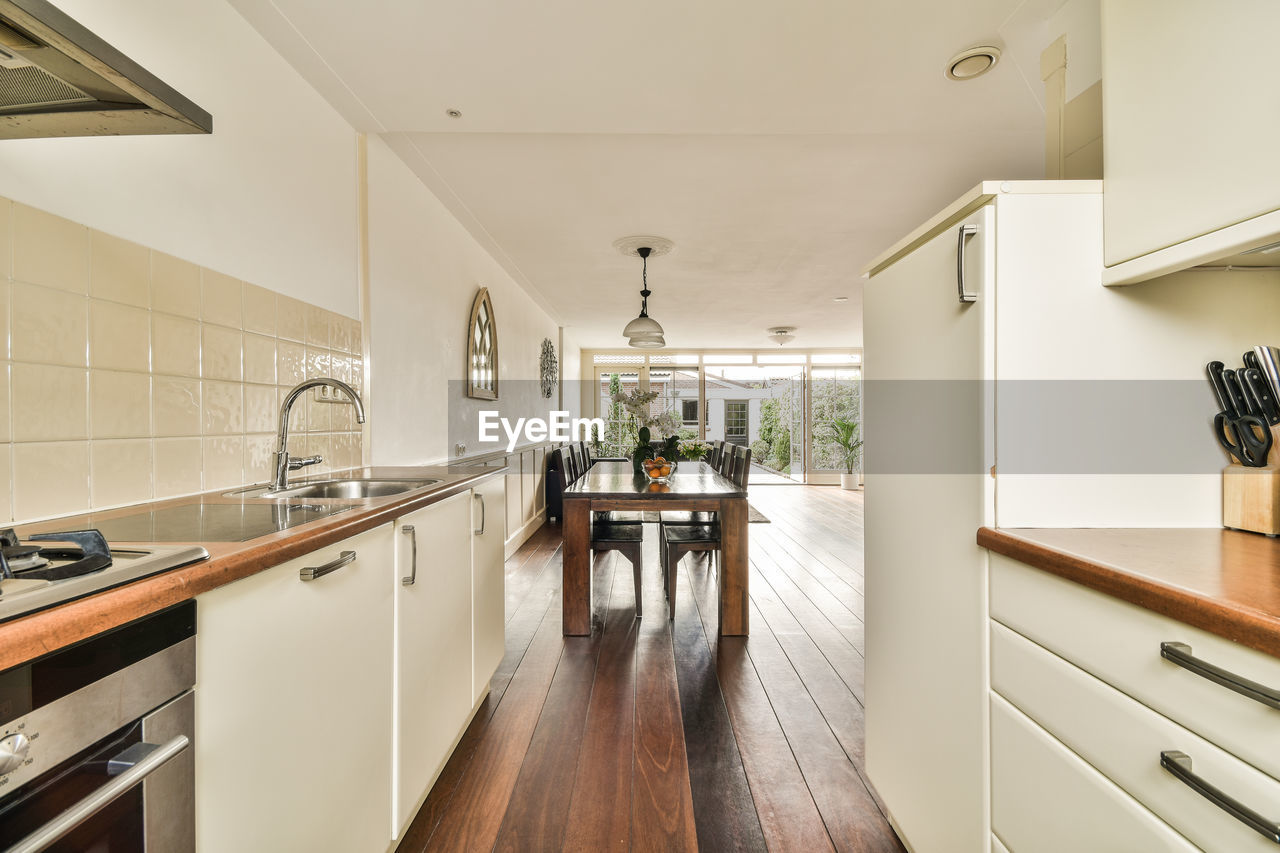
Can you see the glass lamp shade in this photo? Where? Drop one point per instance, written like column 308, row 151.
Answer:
column 642, row 326
column 648, row 341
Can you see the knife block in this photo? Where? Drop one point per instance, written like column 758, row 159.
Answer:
column 1251, row 496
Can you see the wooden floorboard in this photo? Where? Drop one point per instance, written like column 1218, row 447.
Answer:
column 660, row 735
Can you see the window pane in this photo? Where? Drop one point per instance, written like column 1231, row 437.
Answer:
column 835, row 393
column 619, row 437
column 727, row 359
column 835, row 358
column 788, row 358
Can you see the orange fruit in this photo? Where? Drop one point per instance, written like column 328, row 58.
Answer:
column 665, row 471
column 658, row 460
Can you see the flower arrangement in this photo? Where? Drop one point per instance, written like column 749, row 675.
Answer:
column 693, row 449
column 637, row 405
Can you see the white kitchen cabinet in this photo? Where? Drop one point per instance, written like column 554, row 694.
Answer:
column 293, row 705
column 1189, row 130
column 433, row 646
column 488, row 584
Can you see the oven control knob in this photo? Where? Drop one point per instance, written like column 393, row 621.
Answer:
column 13, row 752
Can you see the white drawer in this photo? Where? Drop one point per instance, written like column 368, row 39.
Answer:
column 1120, row 643
column 1124, row 740
column 1046, row 799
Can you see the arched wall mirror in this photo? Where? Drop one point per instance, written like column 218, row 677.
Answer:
column 482, row 349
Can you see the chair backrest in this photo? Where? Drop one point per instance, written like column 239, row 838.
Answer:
column 586, row 453
column 726, row 460
column 742, row 468
column 557, row 467
column 571, row 462
column 584, row 456
column 713, row 457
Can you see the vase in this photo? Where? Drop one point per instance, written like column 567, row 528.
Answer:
column 848, row 481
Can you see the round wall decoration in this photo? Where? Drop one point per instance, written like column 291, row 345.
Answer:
column 549, row 368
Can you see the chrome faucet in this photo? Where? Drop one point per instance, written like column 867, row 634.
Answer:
column 286, row 463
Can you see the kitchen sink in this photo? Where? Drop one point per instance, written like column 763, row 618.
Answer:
column 337, row 489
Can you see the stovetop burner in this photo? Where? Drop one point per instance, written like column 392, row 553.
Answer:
column 47, row 569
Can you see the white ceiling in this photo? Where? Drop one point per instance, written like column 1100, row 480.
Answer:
column 779, row 145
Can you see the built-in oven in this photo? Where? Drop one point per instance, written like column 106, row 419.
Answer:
column 96, row 742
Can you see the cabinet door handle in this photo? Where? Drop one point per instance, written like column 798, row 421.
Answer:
column 412, row 578
column 1180, row 653
column 310, row 573
column 1179, row 764
column 479, row 497
column 965, row 232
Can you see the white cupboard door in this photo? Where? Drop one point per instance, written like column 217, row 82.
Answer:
column 488, row 584
column 432, row 646
column 1189, row 119
column 926, row 415
column 292, row 705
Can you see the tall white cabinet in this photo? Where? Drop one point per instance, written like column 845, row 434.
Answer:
column 1011, row 410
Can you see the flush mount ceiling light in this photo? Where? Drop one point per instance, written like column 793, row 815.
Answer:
column 781, row 335
column 644, row 332
column 973, row 62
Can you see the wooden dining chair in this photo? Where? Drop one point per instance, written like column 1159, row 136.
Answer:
column 628, row 540
column 676, row 540
column 557, row 482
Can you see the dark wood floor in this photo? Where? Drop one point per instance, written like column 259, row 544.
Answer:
column 658, row 735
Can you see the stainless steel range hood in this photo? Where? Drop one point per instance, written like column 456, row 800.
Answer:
column 59, row 79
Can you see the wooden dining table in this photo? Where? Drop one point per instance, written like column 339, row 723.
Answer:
column 694, row 486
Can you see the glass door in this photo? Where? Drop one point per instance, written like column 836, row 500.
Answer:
column 619, row 438
column 836, row 393
column 796, row 424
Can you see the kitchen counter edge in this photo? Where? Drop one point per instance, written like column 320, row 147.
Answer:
column 29, row 637
column 1225, row 582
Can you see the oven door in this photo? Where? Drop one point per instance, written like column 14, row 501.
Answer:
column 130, row 792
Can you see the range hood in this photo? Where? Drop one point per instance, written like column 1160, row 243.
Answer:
column 59, row 79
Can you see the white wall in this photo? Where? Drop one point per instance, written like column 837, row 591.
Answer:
column 269, row 197
column 424, row 271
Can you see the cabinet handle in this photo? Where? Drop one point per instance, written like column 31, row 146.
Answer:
column 966, row 231
column 479, row 497
column 1180, row 653
column 1179, row 764
column 310, row 573
column 412, row 532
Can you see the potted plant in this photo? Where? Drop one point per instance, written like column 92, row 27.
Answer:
column 845, row 435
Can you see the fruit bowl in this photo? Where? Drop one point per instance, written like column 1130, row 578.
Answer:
column 657, row 469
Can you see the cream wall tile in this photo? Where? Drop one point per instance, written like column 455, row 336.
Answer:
column 317, row 444
column 223, row 405
column 49, row 326
column 343, row 447
column 318, row 364
column 259, row 310
column 317, row 326
column 119, row 405
column 223, row 299
column 357, row 373
column 175, row 346
column 6, row 238
column 318, row 415
column 4, row 316
column 224, row 462
column 259, row 458
column 260, row 411
column 291, row 319
column 291, row 363
column 260, row 359
column 49, row 403
column 6, row 433
column 120, row 472
column 357, row 338
column 50, row 250
column 6, row 482
column 119, row 271
column 119, row 336
column 340, row 330
column 176, row 402
column 175, row 286
column 50, row 479
column 222, row 354
column 178, row 462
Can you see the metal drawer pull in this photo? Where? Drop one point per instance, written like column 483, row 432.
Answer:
column 310, row 573
column 965, row 232
column 102, row 797
column 480, row 497
column 1179, row 764
column 412, row 533
column 1180, row 653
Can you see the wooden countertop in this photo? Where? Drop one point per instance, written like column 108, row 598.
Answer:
column 1223, row 581
column 31, row 636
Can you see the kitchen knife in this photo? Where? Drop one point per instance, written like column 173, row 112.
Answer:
column 1269, row 359
column 1245, row 435
column 1262, row 400
column 1215, row 370
column 1235, row 393
column 1251, row 361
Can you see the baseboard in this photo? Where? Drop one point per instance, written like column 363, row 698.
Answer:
column 515, row 540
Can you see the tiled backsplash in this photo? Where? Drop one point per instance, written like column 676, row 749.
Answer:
column 130, row 375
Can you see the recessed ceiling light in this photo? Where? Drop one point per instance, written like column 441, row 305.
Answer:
column 841, row 299
column 451, row 113
column 973, row 62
